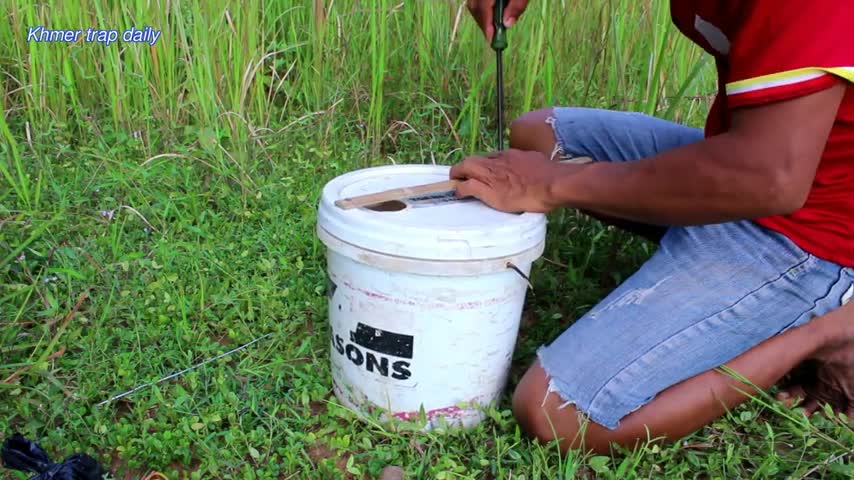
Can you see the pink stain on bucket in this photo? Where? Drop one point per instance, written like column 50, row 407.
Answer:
column 468, row 305
column 447, row 412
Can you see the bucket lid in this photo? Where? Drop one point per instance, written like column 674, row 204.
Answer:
column 430, row 227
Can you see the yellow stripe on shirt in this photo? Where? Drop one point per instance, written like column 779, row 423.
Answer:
column 790, row 77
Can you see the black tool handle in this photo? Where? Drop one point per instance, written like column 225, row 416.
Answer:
column 499, row 39
column 499, row 43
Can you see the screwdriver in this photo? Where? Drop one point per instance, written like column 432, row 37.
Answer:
column 499, row 43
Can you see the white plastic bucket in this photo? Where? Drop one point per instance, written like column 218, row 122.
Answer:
column 424, row 305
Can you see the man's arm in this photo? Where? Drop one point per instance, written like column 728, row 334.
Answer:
column 764, row 165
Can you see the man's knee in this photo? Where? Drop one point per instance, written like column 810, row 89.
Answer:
column 532, row 132
column 528, row 413
column 547, row 418
column 530, row 407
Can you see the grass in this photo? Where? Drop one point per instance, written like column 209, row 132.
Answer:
column 157, row 208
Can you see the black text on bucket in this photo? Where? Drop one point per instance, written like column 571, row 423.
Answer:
column 377, row 351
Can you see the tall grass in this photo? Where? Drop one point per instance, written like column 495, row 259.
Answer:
column 231, row 74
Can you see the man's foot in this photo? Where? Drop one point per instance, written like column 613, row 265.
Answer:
column 828, row 378
column 833, row 385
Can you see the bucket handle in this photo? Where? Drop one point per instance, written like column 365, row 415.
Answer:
column 516, row 269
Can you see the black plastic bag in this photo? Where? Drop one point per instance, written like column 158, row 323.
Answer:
column 25, row 455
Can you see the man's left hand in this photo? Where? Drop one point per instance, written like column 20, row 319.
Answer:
column 510, row 181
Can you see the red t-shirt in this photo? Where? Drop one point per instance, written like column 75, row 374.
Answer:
column 772, row 50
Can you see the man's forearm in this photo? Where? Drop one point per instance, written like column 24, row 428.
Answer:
column 716, row 180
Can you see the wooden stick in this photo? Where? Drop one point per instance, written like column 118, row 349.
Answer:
column 395, row 194
column 414, row 191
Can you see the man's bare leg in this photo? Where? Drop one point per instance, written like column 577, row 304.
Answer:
column 693, row 403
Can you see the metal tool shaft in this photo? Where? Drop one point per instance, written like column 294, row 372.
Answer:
column 499, row 43
column 500, row 100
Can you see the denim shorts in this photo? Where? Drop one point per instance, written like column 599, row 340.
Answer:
column 708, row 294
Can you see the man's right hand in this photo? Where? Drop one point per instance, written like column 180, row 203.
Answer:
column 482, row 10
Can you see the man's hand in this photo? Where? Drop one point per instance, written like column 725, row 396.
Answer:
column 510, row 181
column 482, row 10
